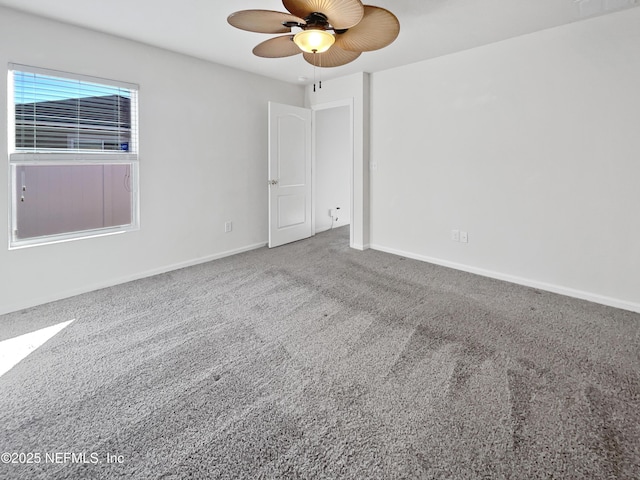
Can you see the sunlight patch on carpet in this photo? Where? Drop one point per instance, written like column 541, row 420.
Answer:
column 13, row 350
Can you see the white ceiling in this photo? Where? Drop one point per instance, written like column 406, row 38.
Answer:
column 429, row 28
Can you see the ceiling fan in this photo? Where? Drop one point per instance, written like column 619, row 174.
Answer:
column 331, row 32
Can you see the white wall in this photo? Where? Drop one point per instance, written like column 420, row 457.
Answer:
column 203, row 161
column 333, row 162
column 353, row 88
column 532, row 146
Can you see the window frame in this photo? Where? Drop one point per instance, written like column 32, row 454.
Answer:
column 75, row 157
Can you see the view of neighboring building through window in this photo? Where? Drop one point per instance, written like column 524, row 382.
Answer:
column 73, row 156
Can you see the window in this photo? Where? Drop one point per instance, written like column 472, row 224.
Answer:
column 73, row 156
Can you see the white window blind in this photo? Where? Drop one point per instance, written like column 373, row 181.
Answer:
column 54, row 113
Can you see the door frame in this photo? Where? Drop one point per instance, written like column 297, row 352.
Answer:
column 347, row 102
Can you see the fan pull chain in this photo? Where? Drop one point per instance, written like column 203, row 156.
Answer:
column 314, row 71
column 319, row 62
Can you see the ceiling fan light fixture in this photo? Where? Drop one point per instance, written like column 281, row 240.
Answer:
column 338, row 29
column 314, row 41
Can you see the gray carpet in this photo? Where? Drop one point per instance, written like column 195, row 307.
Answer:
column 316, row 361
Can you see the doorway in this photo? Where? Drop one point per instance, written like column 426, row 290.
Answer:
column 311, row 170
column 333, row 166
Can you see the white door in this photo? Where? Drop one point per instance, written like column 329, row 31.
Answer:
column 289, row 174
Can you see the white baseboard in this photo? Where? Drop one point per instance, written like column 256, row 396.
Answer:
column 137, row 276
column 549, row 287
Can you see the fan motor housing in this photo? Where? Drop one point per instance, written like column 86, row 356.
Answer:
column 315, row 20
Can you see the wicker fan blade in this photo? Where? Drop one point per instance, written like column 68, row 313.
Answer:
column 341, row 13
column 262, row 21
column 334, row 57
column 378, row 28
column 277, row 47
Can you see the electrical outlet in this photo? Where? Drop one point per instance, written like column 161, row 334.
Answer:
column 228, row 226
column 464, row 237
column 455, row 235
